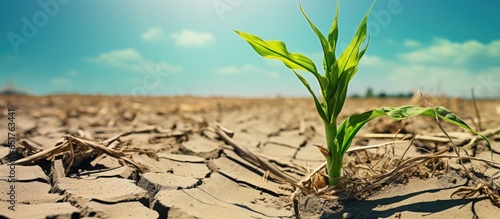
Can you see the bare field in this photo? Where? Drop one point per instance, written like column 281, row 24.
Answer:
column 190, row 157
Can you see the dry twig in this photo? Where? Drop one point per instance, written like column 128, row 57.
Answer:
column 255, row 160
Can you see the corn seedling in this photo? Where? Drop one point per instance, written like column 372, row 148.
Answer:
column 338, row 72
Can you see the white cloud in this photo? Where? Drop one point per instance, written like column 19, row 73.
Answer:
column 404, row 76
column 73, row 73
column 444, row 51
column 228, row 70
column 494, row 49
column 445, row 67
column 246, row 69
column 131, row 60
column 65, row 80
column 273, row 74
column 374, row 61
column 154, row 33
column 449, row 80
column 189, row 38
column 390, row 41
column 411, row 43
column 452, row 68
column 60, row 81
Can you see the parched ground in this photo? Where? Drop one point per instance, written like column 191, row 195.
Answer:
column 189, row 157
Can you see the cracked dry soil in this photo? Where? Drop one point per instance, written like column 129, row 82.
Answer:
column 184, row 170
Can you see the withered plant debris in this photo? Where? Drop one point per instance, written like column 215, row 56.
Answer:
column 75, row 149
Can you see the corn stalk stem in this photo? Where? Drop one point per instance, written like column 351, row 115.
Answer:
column 334, row 161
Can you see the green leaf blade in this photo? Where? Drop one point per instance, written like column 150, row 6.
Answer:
column 341, row 92
column 351, row 55
column 328, row 54
column 277, row 50
column 334, row 30
column 319, row 106
column 350, row 126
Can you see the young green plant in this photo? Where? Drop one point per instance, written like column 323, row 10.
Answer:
column 338, row 72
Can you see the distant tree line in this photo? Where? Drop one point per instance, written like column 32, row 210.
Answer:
column 370, row 94
column 11, row 90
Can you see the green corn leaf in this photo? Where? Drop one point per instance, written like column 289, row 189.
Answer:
column 350, row 127
column 277, row 50
column 364, row 49
column 331, row 107
column 341, row 91
column 328, row 54
column 319, row 107
column 334, row 30
column 332, row 38
column 334, row 77
column 350, row 57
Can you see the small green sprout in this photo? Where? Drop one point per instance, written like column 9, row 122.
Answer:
column 338, row 72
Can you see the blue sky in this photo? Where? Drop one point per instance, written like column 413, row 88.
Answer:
column 175, row 47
